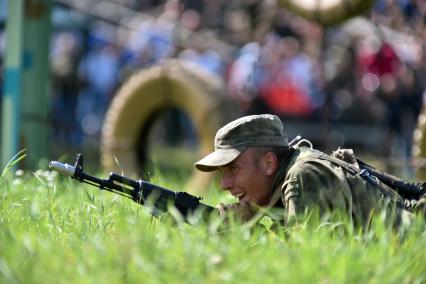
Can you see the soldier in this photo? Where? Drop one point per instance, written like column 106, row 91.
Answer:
column 261, row 169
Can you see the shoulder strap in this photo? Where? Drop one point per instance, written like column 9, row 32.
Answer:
column 320, row 155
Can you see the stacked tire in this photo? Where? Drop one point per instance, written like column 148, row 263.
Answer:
column 419, row 147
column 170, row 84
column 328, row 12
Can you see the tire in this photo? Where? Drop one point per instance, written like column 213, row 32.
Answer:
column 332, row 15
column 419, row 147
column 170, row 84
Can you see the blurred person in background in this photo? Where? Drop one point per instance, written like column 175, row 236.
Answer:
column 161, row 35
column 99, row 70
column 199, row 53
column 244, row 79
column 389, row 75
column 214, row 13
column 154, row 38
column 276, row 71
column 64, row 60
column 289, row 78
column 403, row 100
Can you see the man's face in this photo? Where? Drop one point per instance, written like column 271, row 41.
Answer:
column 247, row 178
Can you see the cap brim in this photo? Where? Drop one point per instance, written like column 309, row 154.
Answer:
column 218, row 158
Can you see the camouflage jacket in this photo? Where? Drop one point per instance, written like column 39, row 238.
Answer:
column 312, row 180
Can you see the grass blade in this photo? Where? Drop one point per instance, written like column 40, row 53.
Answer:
column 12, row 162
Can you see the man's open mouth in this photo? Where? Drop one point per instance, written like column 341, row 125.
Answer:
column 239, row 195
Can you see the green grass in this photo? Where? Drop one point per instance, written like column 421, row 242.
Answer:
column 56, row 230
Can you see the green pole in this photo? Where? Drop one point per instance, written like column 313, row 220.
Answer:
column 35, row 88
column 26, row 73
column 12, row 82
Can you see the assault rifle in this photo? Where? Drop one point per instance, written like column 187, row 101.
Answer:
column 157, row 198
column 408, row 190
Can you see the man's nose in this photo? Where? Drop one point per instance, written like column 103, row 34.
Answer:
column 226, row 182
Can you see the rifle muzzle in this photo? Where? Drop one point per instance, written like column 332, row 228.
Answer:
column 62, row 168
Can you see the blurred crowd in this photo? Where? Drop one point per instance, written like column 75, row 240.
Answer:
column 368, row 70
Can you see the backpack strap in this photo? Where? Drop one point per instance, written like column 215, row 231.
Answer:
column 353, row 169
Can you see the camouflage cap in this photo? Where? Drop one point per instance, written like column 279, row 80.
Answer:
column 231, row 140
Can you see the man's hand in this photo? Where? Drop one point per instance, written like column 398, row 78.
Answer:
column 242, row 210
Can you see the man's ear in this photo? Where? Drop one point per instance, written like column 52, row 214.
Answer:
column 270, row 162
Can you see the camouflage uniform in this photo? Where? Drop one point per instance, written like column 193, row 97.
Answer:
column 310, row 179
